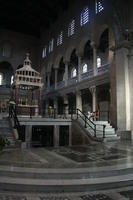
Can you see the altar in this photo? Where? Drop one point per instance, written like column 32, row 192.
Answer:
column 27, row 90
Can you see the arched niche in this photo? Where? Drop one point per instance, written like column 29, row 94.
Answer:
column 6, row 70
column 87, row 55
column 61, row 70
column 73, row 64
column 103, row 49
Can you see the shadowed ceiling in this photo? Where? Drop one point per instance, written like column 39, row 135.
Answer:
column 28, row 16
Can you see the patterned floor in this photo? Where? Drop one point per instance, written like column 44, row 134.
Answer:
column 96, row 197
column 91, row 153
column 12, row 197
column 100, row 196
column 128, row 194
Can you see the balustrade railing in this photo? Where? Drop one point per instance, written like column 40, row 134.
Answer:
column 103, row 69
column 51, row 88
column 87, row 75
column 60, row 84
column 72, row 81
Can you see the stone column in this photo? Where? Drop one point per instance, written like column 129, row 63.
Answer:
column 78, row 100
column 94, row 58
column 28, row 135
column 131, row 84
column 70, row 135
column 56, row 70
column 66, row 106
column 94, row 98
column 79, row 68
column 123, row 89
column 40, row 101
column 16, row 99
column 46, row 107
column 66, row 72
column 56, row 105
column 48, row 80
column 56, row 135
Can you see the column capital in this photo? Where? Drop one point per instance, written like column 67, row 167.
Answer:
column 78, row 92
column 93, row 44
column 79, row 54
column 66, row 62
column 48, row 73
column 56, row 68
column 92, row 89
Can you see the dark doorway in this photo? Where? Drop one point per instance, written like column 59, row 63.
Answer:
column 42, row 136
column 64, row 136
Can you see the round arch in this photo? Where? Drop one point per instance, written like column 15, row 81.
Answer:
column 57, row 61
column 49, row 67
column 69, row 52
column 83, row 41
column 7, row 71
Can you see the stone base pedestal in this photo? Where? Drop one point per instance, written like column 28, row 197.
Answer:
column 125, row 135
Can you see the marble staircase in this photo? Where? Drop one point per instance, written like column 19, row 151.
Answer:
column 6, row 131
column 63, row 180
column 110, row 134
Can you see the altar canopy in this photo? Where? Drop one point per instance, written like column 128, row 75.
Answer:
column 27, row 88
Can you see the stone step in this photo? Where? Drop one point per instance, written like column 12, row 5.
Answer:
column 108, row 132
column 64, row 185
column 101, row 122
column 70, row 173
column 111, row 139
column 5, row 131
column 112, row 130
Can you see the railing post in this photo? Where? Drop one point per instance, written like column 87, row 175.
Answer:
column 85, row 121
column 104, row 131
column 95, row 130
column 108, row 116
column 71, row 113
column 54, row 113
column 99, row 115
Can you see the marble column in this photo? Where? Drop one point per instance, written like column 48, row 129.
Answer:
column 48, row 80
column 78, row 100
column 40, row 101
column 46, row 107
column 94, row 98
column 56, row 105
column 94, row 58
column 66, row 106
column 123, row 89
column 66, row 72
column 56, row 135
column 28, row 135
column 79, row 68
column 56, row 71
column 70, row 135
column 16, row 99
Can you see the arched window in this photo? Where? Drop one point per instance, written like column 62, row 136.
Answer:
column 99, row 62
column 71, row 28
column 12, row 78
column 84, row 17
column 99, row 6
column 84, row 68
column 73, row 73
column 6, row 50
column 44, row 52
column 1, row 78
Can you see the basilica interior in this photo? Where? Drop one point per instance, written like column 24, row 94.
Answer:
column 66, row 100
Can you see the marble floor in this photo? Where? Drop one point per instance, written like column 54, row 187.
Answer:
column 106, row 158
column 92, row 156
column 118, row 194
